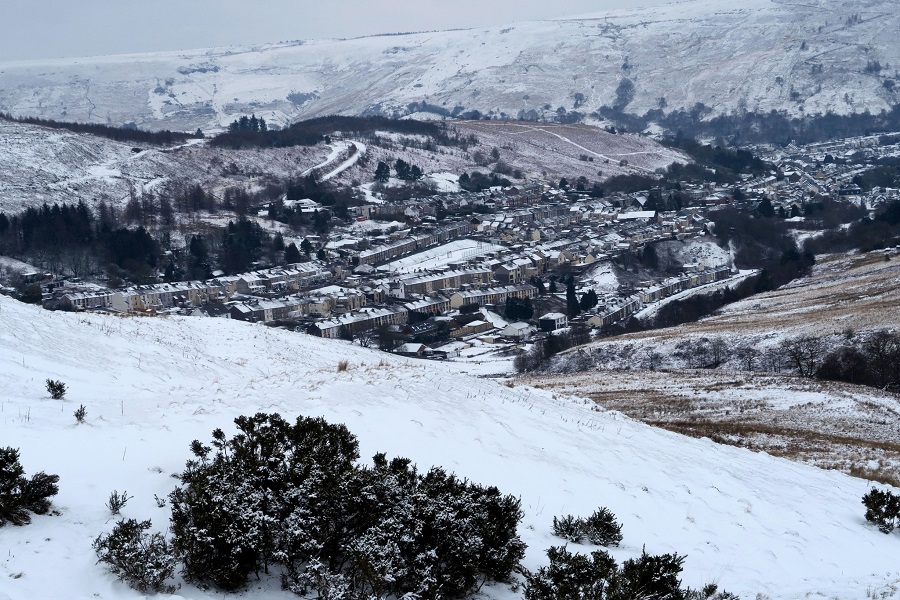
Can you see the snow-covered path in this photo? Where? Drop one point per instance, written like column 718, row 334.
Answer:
column 337, row 149
column 360, row 150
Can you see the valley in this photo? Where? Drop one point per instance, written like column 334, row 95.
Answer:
column 602, row 307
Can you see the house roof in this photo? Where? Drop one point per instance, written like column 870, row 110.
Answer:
column 555, row 316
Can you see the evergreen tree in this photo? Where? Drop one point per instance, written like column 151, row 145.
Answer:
column 402, row 168
column 382, row 172
column 585, row 303
column 518, row 309
column 292, row 254
column 572, row 305
column 306, row 246
column 320, row 221
column 765, row 208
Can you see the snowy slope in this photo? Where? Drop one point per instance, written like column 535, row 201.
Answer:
column 759, row 55
column 752, row 523
column 46, row 165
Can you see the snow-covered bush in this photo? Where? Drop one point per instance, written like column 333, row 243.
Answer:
column 292, row 496
column 142, row 560
column 20, row 496
column 57, row 389
column 597, row 577
column 882, row 509
column 600, row 529
column 569, row 528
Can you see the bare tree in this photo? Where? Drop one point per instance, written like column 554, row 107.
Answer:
column 882, row 348
column 652, row 359
column 748, row 355
column 718, row 352
column 804, row 354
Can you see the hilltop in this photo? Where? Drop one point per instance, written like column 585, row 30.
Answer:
column 697, row 57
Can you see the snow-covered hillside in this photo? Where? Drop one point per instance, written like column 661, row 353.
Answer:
column 749, row 522
column 50, row 165
column 47, row 165
column 759, row 55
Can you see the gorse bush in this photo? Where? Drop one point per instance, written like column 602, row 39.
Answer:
column 292, row 496
column 600, row 529
column 596, row 576
column 57, row 389
column 882, row 509
column 20, row 496
column 144, row 561
column 569, row 528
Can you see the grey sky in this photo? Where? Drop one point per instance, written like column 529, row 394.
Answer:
column 39, row 29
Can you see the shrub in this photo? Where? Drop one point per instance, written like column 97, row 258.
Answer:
column 569, row 528
column 18, row 495
column 57, row 389
column 882, row 509
column 600, row 529
column 142, row 560
column 291, row 495
column 80, row 414
column 597, row 577
column 117, row 501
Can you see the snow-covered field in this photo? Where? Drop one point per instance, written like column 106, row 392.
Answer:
column 758, row 526
column 601, row 278
column 830, row 425
column 440, row 256
column 570, row 150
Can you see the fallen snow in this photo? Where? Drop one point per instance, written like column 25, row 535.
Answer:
column 752, row 523
column 440, row 256
column 602, row 277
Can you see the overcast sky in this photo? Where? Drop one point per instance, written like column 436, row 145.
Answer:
column 38, row 29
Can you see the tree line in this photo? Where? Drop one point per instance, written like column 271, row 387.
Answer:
column 73, row 240
column 313, row 131
column 119, row 134
column 751, row 127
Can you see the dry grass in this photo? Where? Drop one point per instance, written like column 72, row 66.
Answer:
column 856, row 292
column 343, row 365
column 826, row 424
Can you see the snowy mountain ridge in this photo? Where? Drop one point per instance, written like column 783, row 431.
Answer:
column 802, row 58
column 749, row 522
